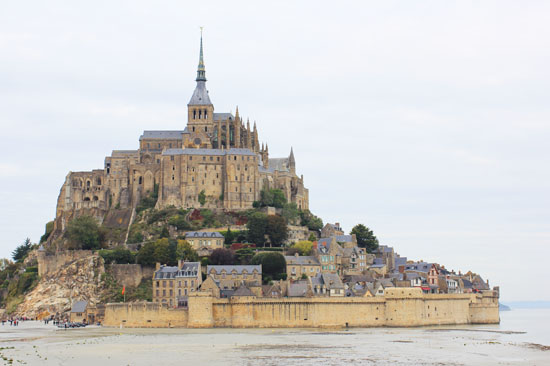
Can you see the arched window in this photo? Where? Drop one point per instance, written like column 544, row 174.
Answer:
column 205, row 114
column 200, row 113
column 194, row 114
column 139, row 180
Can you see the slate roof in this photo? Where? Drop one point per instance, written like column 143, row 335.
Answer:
column 400, row 261
column 332, row 280
column 243, row 291
column 230, row 268
column 213, row 152
column 79, row 307
column 280, row 164
column 418, row 266
column 162, row 135
column 344, row 238
column 123, row 153
column 166, row 272
column 297, row 289
column 200, row 95
column 302, row 260
column 223, row 116
column 189, row 269
column 203, row 234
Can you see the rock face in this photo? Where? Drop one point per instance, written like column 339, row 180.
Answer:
column 56, row 291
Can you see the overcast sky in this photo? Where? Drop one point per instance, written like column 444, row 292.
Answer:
column 428, row 121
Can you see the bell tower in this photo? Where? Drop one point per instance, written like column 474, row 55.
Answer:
column 200, row 110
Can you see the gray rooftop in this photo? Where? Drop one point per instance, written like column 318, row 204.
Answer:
column 223, row 116
column 297, row 289
column 229, row 268
column 243, row 291
column 302, row 260
column 214, row 152
column 203, row 234
column 280, row 164
column 189, row 269
column 344, row 238
column 162, row 135
column 79, row 307
column 200, row 95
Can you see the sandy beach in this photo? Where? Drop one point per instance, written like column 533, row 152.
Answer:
column 33, row 343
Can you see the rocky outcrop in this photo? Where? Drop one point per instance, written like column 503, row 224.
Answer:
column 80, row 279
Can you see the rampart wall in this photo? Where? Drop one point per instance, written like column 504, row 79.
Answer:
column 130, row 274
column 52, row 263
column 401, row 307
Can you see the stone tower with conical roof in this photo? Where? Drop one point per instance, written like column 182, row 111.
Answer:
column 200, row 110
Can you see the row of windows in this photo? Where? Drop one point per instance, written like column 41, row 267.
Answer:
column 228, row 157
column 159, row 146
column 330, row 267
column 325, row 258
column 171, row 293
column 201, row 114
column 171, row 283
column 208, row 242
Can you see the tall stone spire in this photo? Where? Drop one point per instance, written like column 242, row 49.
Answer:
column 201, row 71
column 200, row 95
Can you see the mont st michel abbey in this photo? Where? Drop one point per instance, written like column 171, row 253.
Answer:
column 217, row 156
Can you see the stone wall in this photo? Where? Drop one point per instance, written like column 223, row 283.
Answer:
column 130, row 274
column 403, row 307
column 48, row 264
column 144, row 315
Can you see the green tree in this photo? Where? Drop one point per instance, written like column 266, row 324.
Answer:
column 202, row 198
column 146, row 255
column 84, row 233
column 117, row 255
column 365, row 238
column 312, row 237
column 304, row 247
column 276, row 230
column 228, row 236
column 222, row 256
column 312, row 222
column 163, row 252
column 271, row 197
column 186, row 252
column 256, row 225
column 244, row 255
column 273, row 264
column 290, row 212
column 21, row 252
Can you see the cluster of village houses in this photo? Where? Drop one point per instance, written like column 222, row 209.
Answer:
column 336, row 267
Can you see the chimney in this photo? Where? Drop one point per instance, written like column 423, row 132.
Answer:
column 296, row 254
column 157, row 267
column 180, row 263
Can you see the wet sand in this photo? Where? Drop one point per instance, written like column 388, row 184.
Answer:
column 33, row 343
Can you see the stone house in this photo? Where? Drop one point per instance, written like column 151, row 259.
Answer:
column 172, row 285
column 78, row 312
column 204, row 242
column 327, row 284
column 230, row 277
column 297, row 265
column 331, row 230
column 328, row 253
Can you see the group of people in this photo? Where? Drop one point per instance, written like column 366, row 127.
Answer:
column 13, row 322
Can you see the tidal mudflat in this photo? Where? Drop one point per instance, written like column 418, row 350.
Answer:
column 513, row 342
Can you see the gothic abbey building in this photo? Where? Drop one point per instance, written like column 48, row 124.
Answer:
column 216, row 157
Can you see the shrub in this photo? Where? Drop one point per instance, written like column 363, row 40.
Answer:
column 273, row 264
column 84, row 233
column 117, row 255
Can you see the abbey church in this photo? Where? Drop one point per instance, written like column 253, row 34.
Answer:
column 215, row 162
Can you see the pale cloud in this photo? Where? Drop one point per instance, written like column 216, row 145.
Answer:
column 428, row 121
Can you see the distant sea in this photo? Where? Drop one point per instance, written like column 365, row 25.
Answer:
column 522, row 338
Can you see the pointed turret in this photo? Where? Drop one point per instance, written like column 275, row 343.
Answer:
column 256, row 141
column 292, row 161
column 248, row 135
column 237, row 129
column 200, row 111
